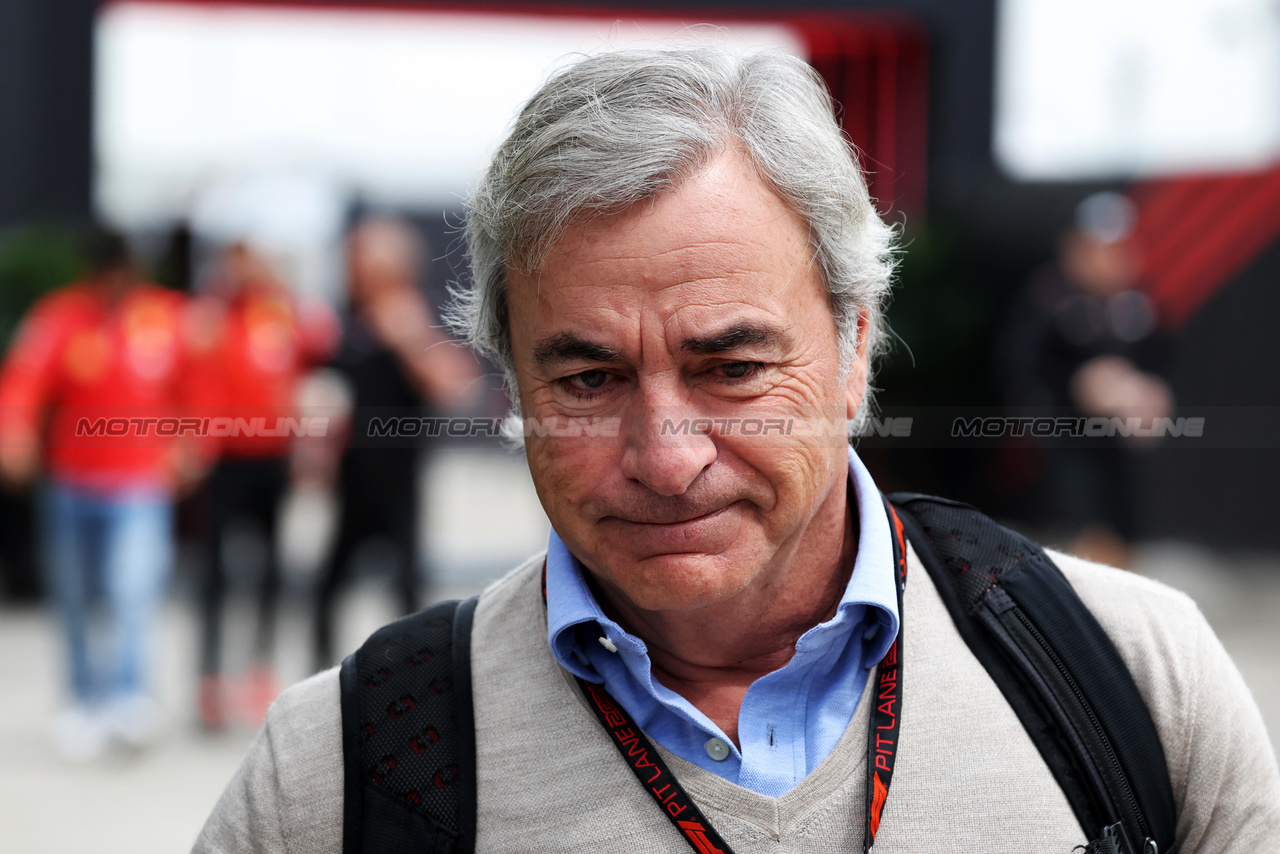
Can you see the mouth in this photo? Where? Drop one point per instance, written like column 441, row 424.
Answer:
column 668, row 519
column 674, row 532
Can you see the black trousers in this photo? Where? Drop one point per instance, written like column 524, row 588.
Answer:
column 251, row 489
column 378, row 491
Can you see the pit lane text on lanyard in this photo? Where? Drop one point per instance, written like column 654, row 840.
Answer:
column 882, row 737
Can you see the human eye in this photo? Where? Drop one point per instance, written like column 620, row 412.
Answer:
column 736, row 378
column 740, row 370
column 585, row 385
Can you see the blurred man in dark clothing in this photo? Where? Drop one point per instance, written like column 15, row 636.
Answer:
column 397, row 364
column 1084, row 340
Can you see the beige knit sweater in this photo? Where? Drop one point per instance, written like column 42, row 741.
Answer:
column 967, row 777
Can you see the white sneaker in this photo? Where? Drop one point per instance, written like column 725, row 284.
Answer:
column 134, row 720
column 80, row 734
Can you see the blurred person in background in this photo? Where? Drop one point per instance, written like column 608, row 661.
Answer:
column 1083, row 339
column 397, row 363
column 109, row 346
column 255, row 343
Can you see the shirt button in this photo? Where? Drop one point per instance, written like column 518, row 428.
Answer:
column 608, row 644
column 717, row 749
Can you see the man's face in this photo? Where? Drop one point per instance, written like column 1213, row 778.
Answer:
column 700, row 304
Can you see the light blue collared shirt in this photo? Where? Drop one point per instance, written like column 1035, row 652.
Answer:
column 790, row 719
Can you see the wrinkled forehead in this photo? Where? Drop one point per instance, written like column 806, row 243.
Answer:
column 718, row 264
column 723, row 201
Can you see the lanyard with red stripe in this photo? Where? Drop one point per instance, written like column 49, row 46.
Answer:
column 882, row 735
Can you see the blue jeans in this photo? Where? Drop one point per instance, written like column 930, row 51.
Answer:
column 107, row 557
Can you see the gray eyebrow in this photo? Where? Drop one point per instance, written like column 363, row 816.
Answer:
column 741, row 335
column 565, row 347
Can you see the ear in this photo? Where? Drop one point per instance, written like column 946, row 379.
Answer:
column 856, row 382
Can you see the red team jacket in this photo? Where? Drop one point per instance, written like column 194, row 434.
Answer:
column 100, row 384
column 256, row 348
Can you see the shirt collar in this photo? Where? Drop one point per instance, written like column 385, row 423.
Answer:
column 570, row 603
column 871, row 593
column 873, row 583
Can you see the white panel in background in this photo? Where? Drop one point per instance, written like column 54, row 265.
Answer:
column 1096, row 89
column 401, row 108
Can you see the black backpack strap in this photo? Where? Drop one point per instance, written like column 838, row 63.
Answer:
column 408, row 737
column 1057, row 668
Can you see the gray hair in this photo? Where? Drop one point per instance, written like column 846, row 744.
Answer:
column 619, row 128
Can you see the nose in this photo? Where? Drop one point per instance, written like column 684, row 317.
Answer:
column 666, row 452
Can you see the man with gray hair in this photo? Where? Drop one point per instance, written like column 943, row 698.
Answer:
column 677, row 265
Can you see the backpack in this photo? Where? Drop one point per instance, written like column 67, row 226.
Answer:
column 406, row 698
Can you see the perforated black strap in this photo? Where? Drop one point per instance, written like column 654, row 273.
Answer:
column 465, row 729
column 1055, row 665
column 409, row 737
column 352, row 778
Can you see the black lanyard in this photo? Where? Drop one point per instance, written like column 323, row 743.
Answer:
column 886, row 716
column 882, row 734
